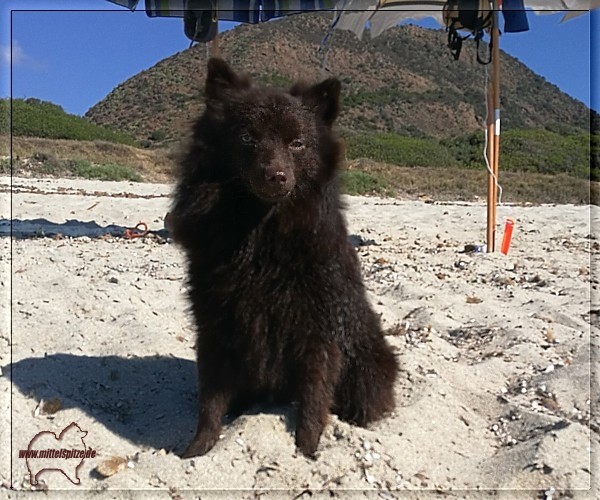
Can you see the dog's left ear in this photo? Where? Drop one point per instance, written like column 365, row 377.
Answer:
column 323, row 97
column 221, row 80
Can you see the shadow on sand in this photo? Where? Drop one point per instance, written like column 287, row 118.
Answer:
column 39, row 228
column 150, row 401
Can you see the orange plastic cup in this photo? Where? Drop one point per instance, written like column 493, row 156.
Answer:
column 508, row 231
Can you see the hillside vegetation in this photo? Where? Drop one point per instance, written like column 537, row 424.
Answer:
column 405, row 100
column 412, row 117
column 522, row 150
column 34, row 156
column 104, row 160
column 403, row 82
column 35, row 118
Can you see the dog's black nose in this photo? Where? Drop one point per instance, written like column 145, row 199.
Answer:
column 278, row 177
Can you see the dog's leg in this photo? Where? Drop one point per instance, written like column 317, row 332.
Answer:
column 365, row 390
column 212, row 409
column 217, row 389
column 318, row 378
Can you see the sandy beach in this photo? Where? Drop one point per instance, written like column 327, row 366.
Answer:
column 495, row 397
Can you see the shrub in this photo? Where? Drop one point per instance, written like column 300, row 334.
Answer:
column 104, row 172
column 595, row 157
column 51, row 165
column 5, row 166
column 158, row 135
column 400, row 150
column 275, row 80
column 532, row 150
column 356, row 183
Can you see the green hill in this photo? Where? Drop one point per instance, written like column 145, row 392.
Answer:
column 530, row 150
column 403, row 82
column 35, row 118
column 405, row 100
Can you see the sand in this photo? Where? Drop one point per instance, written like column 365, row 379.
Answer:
column 494, row 396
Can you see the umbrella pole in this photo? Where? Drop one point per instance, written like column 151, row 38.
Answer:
column 490, row 159
column 496, row 84
column 215, row 50
column 493, row 130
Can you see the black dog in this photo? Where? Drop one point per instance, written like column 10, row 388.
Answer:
column 275, row 286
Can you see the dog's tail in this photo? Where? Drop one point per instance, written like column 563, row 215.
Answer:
column 366, row 389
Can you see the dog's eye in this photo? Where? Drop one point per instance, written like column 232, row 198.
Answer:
column 247, row 139
column 297, row 144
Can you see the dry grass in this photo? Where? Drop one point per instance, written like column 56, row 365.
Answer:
column 452, row 183
column 365, row 176
column 153, row 165
column 595, row 193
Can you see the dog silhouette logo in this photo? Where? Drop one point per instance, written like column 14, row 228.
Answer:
column 63, row 453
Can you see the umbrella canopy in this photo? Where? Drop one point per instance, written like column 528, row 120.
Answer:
column 352, row 15
column 381, row 14
column 201, row 16
column 244, row 11
column 384, row 14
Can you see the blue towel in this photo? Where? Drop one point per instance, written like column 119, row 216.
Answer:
column 515, row 17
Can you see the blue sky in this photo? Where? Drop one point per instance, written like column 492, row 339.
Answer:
column 75, row 58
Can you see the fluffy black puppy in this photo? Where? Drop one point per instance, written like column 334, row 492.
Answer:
column 275, row 286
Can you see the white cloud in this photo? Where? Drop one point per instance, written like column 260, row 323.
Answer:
column 4, row 54
column 18, row 56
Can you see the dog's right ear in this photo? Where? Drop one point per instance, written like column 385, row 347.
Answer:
column 221, row 80
column 323, row 98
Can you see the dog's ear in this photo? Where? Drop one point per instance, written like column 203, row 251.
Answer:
column 221, row 80
column 323, row 98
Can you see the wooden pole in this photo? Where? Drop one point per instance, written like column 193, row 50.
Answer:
column 496, row 84
column 490, row 158
column 215, row 50
column 493, row 125
column 496, row 93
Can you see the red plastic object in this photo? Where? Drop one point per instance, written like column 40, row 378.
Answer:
column 508, row 231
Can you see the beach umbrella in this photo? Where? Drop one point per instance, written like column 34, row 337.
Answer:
column 384, row 14
column 201, row 17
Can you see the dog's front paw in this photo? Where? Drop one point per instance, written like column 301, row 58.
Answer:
column 200, row 445
column 307, row 442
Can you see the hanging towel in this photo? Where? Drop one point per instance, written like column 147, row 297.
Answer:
column 515, row 17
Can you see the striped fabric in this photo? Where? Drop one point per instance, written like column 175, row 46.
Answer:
column 165, row 8
column 278, row 8
column 424, row 5
column 242, row 11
